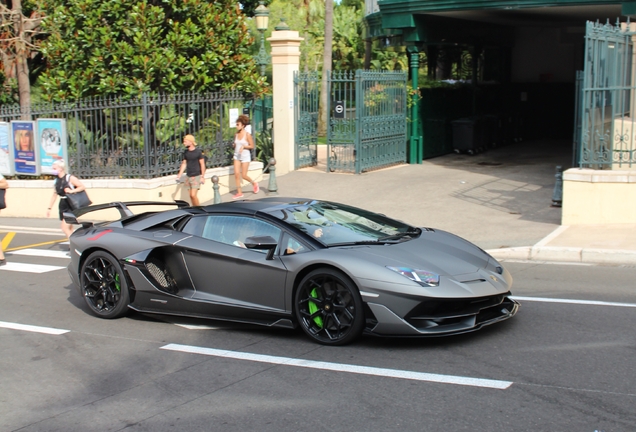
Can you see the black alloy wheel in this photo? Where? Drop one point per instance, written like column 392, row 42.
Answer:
column 104, row 285
column 328, row 307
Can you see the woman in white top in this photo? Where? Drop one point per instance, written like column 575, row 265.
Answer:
column 243, row 143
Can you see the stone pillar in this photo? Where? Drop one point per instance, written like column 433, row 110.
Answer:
column 285, row 59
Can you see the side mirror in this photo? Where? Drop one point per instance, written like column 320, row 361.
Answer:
column 267, row 243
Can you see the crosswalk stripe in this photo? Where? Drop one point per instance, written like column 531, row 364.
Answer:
column 29, row 230
column 32, row 328
column 28, row 268
column 40, row 253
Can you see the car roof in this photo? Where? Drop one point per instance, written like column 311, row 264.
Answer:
column 255, row 206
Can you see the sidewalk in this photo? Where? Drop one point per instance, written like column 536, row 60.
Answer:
column 500, row 200
column 614, row 244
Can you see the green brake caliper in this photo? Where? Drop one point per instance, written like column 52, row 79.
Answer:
column 313, row 308
column 117, row 284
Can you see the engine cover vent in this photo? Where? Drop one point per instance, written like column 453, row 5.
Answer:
column 162, row 276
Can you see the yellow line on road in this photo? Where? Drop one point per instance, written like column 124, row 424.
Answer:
column 10, row 235
column 7, row 239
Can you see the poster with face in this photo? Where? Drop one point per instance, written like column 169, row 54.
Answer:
column 6, row 150
column 52, row 142
column 25, row 156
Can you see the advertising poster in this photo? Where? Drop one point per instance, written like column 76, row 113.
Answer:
column 25, row 152
column 6, row 150
column 52, row 143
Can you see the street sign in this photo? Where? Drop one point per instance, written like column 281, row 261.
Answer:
column 339, row 109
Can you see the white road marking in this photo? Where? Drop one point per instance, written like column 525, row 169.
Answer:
column 339, row 367
column 29, row 268
column 554, row 234
column 574, row 301
column 32, row 230
column 36, row 329
column 41, row 253
column 561, row 263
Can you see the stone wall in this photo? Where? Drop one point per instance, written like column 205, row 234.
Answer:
column 598, row 197
column 30, row 198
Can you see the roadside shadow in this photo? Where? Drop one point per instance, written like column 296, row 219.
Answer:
column 523, row 177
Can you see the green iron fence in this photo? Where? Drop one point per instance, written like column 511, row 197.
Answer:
column 342, row 131
column 141, row 137
column 608, row 98
column 262, row 114
column 382, row 113
column 306, row 103
column 367, row 118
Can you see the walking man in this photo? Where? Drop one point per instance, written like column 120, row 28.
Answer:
column 194, row 166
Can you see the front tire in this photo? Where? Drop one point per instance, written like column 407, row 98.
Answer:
column 328, row 307
column 104, row 286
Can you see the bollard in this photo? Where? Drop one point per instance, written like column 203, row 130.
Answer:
column 557, row 194
column 215, row 186
column 271, row 186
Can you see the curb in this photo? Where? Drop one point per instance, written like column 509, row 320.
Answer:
column 566, row 254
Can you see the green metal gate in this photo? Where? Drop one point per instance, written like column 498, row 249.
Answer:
column 306, row 101
column 608, row 98
column 366, row 122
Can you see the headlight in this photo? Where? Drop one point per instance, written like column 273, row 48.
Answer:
column 422, row 277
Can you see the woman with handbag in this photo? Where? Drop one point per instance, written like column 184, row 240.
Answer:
column 65, row 184
column 3, row 186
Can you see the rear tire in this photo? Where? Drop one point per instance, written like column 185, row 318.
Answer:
column 328, row 307
column 104, row 286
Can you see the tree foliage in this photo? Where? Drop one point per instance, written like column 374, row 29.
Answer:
column 348, row 45
column 308, row 18
column 249, row 6
column 19, row 37
column 113, row 47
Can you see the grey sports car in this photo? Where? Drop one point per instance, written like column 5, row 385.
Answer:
column 334, row 270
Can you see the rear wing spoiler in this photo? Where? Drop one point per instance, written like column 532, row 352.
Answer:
column 123, row 207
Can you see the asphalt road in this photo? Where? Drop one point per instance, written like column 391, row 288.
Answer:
column 565, row 363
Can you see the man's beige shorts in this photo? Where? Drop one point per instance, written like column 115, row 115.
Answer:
column 193, row 182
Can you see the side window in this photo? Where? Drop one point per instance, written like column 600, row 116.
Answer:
column 292, row 246
column 195, row 226
column 234, row 230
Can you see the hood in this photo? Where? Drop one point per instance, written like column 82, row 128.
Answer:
column 437, row 251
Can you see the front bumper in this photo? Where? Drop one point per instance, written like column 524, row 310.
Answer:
column 439, row 317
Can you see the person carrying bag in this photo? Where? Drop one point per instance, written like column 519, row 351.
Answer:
column 66, row 185
column 76, row 199
column 3, row 204
column 3, row 189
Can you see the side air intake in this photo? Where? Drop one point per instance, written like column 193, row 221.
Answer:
column 161, row 276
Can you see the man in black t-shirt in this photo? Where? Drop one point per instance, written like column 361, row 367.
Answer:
column 194, row 166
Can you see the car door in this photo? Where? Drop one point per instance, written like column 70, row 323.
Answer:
column 224, row 271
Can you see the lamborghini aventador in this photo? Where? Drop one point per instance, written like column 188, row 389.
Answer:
column 334, row 270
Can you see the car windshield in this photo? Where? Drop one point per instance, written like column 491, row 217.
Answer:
column 338, row 224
